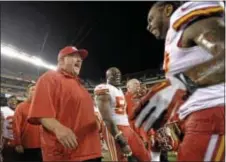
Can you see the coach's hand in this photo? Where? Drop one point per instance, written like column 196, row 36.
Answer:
column 19, row 149
column 66, row 137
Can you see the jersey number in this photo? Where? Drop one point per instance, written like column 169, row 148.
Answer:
column 120, row 107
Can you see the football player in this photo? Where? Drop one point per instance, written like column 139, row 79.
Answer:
column 194, row 34
column 111, row 102
column 7, row 113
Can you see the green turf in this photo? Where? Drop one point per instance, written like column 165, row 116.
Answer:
column 172, row 156
column 106, row 156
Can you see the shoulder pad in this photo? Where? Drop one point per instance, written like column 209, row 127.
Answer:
column 101, row 89
column 190, row 11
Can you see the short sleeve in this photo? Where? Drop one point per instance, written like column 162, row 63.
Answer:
column 191, row 11
column 42, row 105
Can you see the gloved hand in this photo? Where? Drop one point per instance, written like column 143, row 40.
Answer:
column 162, row 97
column 19, row 149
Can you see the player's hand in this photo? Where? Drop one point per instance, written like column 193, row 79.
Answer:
column 126, row 150
column 19, row 149
column 66, row 137
column 162, row 97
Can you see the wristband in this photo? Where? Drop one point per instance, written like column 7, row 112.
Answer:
column 121, row 141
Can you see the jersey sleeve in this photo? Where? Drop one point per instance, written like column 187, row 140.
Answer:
column 42, row 105
column 101, row 89
column 191, row 11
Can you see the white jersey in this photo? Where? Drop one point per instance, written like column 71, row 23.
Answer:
column 7, row 115
column 118, row 103
column 179, row 59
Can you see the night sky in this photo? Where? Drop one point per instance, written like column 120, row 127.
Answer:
column 114, row 33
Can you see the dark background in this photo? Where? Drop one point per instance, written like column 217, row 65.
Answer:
column 114, row 33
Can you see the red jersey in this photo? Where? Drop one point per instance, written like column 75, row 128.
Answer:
column 25, row 134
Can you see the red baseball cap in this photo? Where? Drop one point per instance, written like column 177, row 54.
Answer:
column 72, row 49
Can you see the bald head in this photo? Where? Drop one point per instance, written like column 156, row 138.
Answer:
column 133, row 86
column 113, row 76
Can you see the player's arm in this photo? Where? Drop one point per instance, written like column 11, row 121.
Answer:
column 209, row 34
column 103, row 103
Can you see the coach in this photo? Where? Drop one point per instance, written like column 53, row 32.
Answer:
column 64, row 108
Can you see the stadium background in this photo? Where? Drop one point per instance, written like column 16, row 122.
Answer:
column 16, row 75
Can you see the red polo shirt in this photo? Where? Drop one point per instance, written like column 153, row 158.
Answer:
column 25, row 134
column 61, row 96
column 130, row 109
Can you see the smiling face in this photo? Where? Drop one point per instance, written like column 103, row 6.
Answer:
column 12, row 102
column 71, row 63
column 158, row 20
column 113, row 76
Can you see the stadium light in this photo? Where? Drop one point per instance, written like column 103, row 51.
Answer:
column 9, row 51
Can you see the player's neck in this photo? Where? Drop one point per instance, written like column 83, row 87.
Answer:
column 113, row 85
